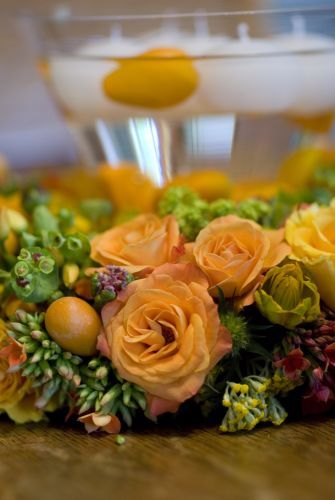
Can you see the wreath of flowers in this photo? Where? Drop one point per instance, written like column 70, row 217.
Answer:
column 226, row 308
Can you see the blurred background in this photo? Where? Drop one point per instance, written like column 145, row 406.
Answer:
column 32, row 131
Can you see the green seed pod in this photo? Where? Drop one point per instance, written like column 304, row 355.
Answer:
column 85, row 407
column 37, row 356
column 112, row 394
column 46, row 265
column 18, row 327
column 21, row 269
column 101, row 372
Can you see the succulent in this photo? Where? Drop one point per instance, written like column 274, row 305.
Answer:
column 103, row 390
column 52, row 370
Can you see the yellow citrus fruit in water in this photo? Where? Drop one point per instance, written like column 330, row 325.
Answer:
column 298, row 168
column 209, row 184
column 74, row 325
column 156, row 79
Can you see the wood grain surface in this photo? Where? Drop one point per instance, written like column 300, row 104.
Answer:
column 44, row 462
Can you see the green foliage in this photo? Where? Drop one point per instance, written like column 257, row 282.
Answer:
column 65, row 219
column 34, row 197
column 325, row 176
column 43, row 220
column 238, row 328
column 96, row 209
column 282, row 205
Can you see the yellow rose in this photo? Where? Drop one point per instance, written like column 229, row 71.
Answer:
column 234, row 253
column 163, row 333
column 311, row 234
column 142, row 243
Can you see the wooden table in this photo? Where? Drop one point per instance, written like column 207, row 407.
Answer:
column 43, row 462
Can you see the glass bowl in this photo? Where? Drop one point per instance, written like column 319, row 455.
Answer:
column 175, row 93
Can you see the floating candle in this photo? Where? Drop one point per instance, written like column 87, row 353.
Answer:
column 315, row 59
column 249, row 77
column 77, row 78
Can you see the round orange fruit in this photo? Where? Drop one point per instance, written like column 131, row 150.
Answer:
column 74, row 325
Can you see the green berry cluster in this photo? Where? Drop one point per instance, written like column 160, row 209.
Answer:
column 193, row 213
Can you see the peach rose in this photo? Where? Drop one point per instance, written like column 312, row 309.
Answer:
column 234, row 252
column 163, row 333
column 142, row 243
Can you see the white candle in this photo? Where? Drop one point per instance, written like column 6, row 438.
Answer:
column 77, row 78
column 315, row 57
column 250, row 77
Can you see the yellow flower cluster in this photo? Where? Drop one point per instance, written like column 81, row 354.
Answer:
column 281, row 384
column 250, row 403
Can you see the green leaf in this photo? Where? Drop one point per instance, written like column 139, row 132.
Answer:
column 43, row 220
column 256, row 348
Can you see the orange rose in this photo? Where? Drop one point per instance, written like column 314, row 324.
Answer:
column 143, row 243
column 234, row 252
column 163, row 333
